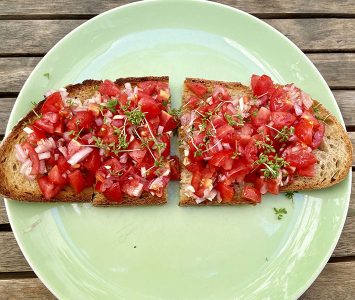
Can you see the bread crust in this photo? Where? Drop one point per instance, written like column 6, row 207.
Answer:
column 335, row 153
column 16, row 186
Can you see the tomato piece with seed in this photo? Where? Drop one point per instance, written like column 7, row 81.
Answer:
column 149, row 106
column 251, row 194
column 53, row 103
column 48, row 189
column 137, row 152
column 279, row 101
column 261, row 85
column 301, row 159
column 113, row 193
column 33, row 157
column 56, row 177
column 198, row 89
column 304, row 131
column 82, row 120
column 281, row 119
column 77, row 181
column 226, row 191
column 109, row 88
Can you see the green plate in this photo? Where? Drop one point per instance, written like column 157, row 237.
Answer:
column 169, row 252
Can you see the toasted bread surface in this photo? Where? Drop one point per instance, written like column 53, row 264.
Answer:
column 334, row 154
column 16, row 186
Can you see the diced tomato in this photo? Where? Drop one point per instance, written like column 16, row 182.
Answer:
column 262, row 117
column 192, row 103
column 301, row 159
column 273, row 186
column 45, row 125
column 318, row 136
column 225, row 133
column 154, row 124
column 304, row 131
column 149, row 106
column 196, row 180
column 82, row 120
column 261, row 85
column 113, row 193
column 93, row 161
column 53, row 103
column 138, row 153
column 77, row 181
column 174, row 168
column 218, row 121
column 73, row 147
column 63, row 165
column 33, row 157
column 310, row 118
column 108, row 88
column 147, row 87
column 48, row 189
column 222, row 159
column 309, row 171
column 279, row 101
column 281, row 119
column 195, row 166
column 251, row 194
column 36, row 135
column 167, row 121
column 165, row 138
column 198, row 89
column 59, row 128
column 226, row 191
column 55, row 176
column 251, row 150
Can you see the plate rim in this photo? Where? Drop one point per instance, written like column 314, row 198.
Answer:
column 321, row 266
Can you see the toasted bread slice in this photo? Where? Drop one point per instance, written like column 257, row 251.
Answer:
column 16, row 186
column 334, row 155
column 146, row 198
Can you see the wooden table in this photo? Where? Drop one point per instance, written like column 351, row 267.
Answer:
column 324, row 30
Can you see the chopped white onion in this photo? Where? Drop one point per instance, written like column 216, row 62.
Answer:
column 160, row 129
column 56, row 156
column 44, row 155
column 101, row 152
column 42, row 167
column 123, row 158
column 119, row 117
column 137, row 192
column 98, row 122
column 200, row 200
column 20, row 153
column 28, row 130
column 80, row 155
column 26, row 167
column 143, row 172
column 226, row 146
column 63, row 150
column 156, row 184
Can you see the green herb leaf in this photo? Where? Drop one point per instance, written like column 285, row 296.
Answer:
column 135, row 116
column 289, row 195
column 46, row 75
column 285, row 133
column 280, row 212
column 111, row 105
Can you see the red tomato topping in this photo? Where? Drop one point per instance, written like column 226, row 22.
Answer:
column 48, row 189
column 251, row 194
column 33, row 157
column 197, row 88
column 108, row 88
column 263, row 141
column 53, row 103
column 149, row 107
column 77, row 181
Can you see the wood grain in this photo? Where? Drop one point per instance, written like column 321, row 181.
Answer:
column 3, row 215
column 68, row 8
column 11, row 257
column 38, row 36
column 336, row 281
column 19, row 289
column 325, row 287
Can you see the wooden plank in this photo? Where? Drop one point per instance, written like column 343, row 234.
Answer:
column 346, row 243
column 33, row 36
column 11, row 257
column 352, row 137
column 14, row 71
column 337, row 68
column 38, row 36
column 3, row 215
column 326, row 34
column 336, row 281
column 28, row 288
column 93, row 7
column 6, row 105
column 346, row 102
